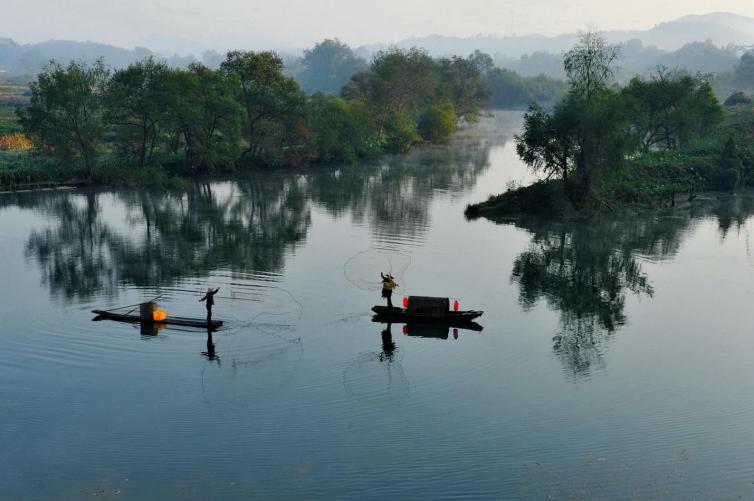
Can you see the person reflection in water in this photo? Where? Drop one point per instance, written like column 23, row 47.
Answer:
column 388, row 284
column 210, row 353
column 388, row 346
column 209, row 297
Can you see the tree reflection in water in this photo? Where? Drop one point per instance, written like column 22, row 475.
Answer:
column 244, row 226
column 585, row 270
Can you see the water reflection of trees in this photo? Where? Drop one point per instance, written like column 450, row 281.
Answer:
column 393, row 195
column 98, row 240
column 241, row 227
column 585, row 270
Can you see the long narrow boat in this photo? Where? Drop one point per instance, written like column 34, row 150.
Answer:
column 402, row 315
column 188, row 322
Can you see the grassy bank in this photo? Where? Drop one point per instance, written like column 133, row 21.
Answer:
column 650, row 181
column 25, row 169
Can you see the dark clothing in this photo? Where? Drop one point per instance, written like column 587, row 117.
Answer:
column 209, row 297
column 210, row 303
column 388, row 294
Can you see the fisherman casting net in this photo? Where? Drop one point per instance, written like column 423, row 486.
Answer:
column 363, row 269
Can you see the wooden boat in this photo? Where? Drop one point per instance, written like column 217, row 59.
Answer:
column 404, row 315
column 187, row 322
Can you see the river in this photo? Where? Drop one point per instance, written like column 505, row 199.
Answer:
column 615, row 359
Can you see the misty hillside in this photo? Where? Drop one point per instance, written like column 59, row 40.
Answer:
column 28, row 59
column 720, row 28
column 710, row 43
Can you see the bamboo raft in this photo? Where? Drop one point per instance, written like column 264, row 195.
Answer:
column 187, row 322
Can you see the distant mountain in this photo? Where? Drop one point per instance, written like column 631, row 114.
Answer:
column 720, row 28
column 28, row 59
column 733, row 21
column 529, row 54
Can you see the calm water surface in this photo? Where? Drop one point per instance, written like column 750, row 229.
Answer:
column 615, row 360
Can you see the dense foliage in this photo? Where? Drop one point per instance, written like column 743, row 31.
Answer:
column 602, row 141
column 66, row 114
column 247, row 112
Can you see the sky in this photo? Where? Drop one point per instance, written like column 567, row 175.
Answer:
column 221, row 24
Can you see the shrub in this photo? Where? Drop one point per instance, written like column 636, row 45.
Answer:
column 400, row 133
column 438, row 122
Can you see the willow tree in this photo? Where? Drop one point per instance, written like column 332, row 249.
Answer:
column 586, row 135
column 590, row 65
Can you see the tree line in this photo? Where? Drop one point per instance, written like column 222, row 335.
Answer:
column 330, row 64
column 247, row 112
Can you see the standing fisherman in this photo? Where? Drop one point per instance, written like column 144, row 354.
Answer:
column 210, row 298
column 388, row 284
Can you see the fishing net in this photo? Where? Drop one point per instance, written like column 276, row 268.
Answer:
column 363, row 270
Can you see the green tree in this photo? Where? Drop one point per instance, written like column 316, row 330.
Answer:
column 546, row 142
column 136, row 101
column 587, row 133
column 508, row 89
column 438, row 122
column 272, row 102
column 745, row 70
column 398, row 82
column 205, row 116
column 328, row 66
column 481, row 61
column 461, row 82
column 341, row 130
column 671, row 109
column 400, row 133
column 65, row 115
column 590, row 65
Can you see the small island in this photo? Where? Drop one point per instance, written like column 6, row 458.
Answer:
column 658, row 139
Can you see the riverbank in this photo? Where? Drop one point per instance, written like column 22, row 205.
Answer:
column 25, row 170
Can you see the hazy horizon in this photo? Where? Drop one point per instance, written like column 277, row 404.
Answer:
column 194, row 25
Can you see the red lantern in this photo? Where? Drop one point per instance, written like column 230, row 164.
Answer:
column 405, row 302
column 456, row 305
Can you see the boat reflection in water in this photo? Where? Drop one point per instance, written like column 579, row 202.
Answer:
column 427, row 329
column 150, row 329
